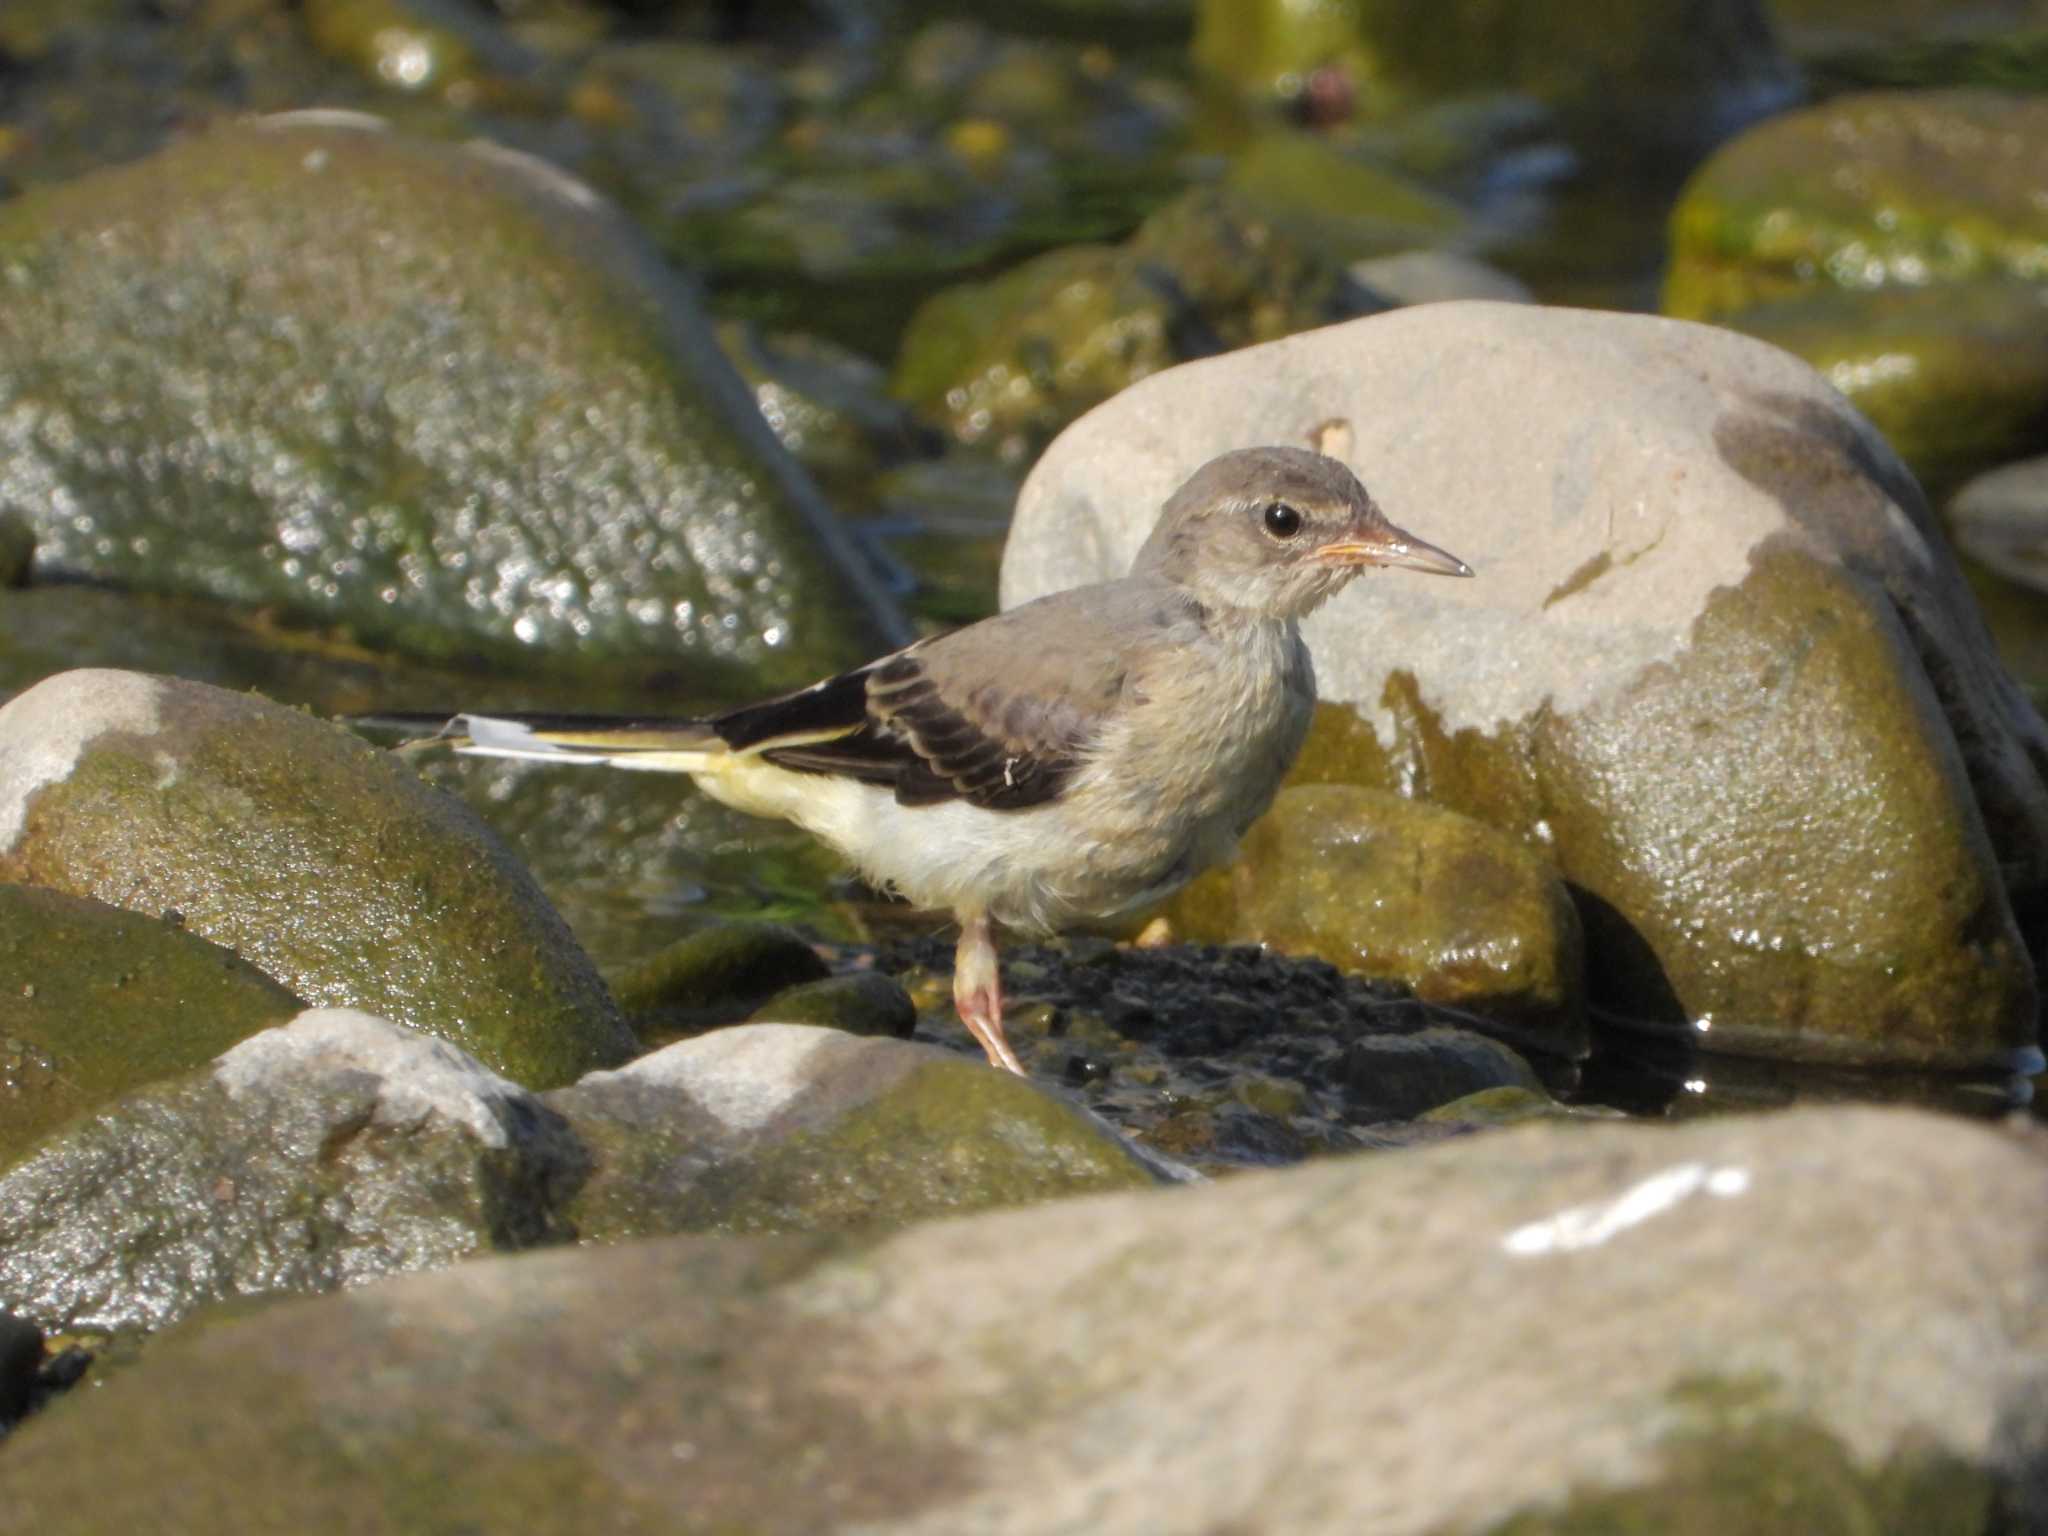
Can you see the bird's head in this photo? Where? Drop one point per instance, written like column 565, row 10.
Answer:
column 1273, row 532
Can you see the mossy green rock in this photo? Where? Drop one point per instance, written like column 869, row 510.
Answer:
column 99, row 1000
column 321, row 1153
column 312, row 854
column 437, row 47
column 443, row 397
column 1400, row 890
column 715, row 976
column 862, row 1003
column 1955, row 375
column 1010, row 362
column 1717, row 666
column 1637, row 1306
column 1866, row 191
column 1701, row 64
column 795, row 1128
column 829, row 405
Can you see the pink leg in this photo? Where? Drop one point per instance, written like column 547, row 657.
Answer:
column 978, row 991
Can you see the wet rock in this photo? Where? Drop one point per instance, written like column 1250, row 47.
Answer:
column 829, row 406
column 1896, row 241
column 339, row 1147
column 1669, row 69
column 793, row 1128
column 2001, row 519
column 1716, row 662
column 444, row 397
column 316, row 857
column 1606, row 1327
column 319, row 1154
column 1009, row 362
column 715, row 976
column 1955, row 375
column 1401, row 1077
column 1401, row 890
column 1490, row 1108
column 1864, row 192
column 437, row 47
column 98, row 1000
column 1433, row 277
column 975, row 147
column 863, row 1003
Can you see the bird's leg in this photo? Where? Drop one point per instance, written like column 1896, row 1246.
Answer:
column 978, row 991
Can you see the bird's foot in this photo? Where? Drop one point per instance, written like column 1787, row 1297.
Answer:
column 978, row 993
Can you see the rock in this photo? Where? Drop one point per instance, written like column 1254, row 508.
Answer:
column 1402, row 1077
column 1865, row 191
column 1717, row 662
column 1009, row 362
column 98, row 1000
column 21, row 1360
column 975, row 149
column 1545, row 1328
column 314, row 856
column 1685, row 72
column 1491, row 1108
column 339, row 1147
column 444, row 397
column 828, row 405
column 1954, row 375
column 427, row 46
column 2001, row 520
column 1895, row 240
column 1400, row 890
column 319, row 1154
column 794, row 1128
column 715, row 976
column 1432, row 277
column 864, row 1003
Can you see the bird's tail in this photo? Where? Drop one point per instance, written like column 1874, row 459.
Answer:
column 622, row 741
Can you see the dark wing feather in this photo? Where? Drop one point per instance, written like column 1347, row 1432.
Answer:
column 1000, row 714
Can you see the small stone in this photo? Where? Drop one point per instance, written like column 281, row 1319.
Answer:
column 865, row 1003
column 1398, row 1077
column 715, row 976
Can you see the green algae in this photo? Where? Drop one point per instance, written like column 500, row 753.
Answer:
column 98, row 1001
column 1738, row 1461
column 1729, row 827
column 566, row 467
column 920, row 1135
column 326, row 863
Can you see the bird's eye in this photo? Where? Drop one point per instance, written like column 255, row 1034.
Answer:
column 1282, row 521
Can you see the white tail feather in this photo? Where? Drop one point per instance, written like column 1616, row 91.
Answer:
column 491, row 736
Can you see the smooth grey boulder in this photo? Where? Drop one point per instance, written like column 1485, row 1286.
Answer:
column 1819, row 1321
column 316, row 857
column 1717, row 662
column 444, row 396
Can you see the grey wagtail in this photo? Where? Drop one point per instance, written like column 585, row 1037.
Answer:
column 1073, row 758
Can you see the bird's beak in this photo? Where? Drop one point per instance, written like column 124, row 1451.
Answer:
column 1388, row 545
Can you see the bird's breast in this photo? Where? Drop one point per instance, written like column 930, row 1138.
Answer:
column 1210, row 731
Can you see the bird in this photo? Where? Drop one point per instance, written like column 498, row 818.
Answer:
column 1069, row 760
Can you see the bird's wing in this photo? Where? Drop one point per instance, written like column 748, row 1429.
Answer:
column 1000, row 714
